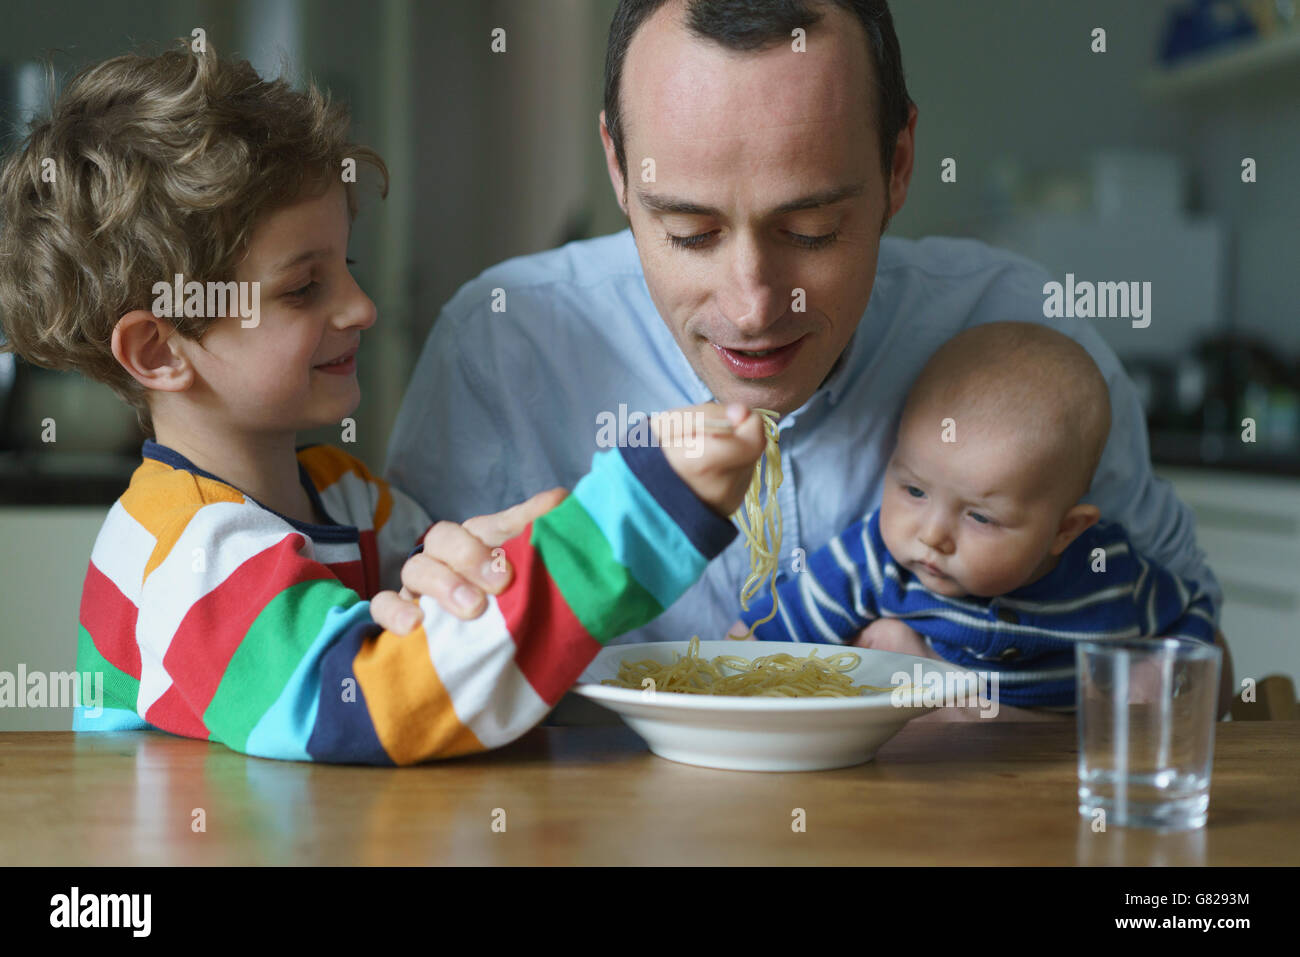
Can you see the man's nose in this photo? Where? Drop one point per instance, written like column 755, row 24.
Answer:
column 748, row 298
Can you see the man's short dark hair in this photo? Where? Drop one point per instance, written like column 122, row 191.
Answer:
column 754, row 25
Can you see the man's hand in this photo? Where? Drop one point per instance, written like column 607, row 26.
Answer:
column 457, row 568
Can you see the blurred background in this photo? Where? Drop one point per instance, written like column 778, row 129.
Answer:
column 1125, row 164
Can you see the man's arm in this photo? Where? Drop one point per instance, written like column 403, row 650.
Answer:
column 1008, row 713
column 451, row 449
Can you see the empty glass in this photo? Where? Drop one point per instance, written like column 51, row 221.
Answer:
column 1146, row 713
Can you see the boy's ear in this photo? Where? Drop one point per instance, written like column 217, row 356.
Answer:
column 1076, row 521
column 142, row 344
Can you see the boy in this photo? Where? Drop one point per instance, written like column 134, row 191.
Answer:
column 981, row 543
column 227, row 592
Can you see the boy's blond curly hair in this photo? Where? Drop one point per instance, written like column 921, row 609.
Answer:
column 161, row 165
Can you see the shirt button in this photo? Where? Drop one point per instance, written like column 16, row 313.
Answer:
column 1009, row 616
column 1009, row 654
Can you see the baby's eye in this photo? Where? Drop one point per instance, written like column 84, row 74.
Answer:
column 913, row 491
column 981, row 519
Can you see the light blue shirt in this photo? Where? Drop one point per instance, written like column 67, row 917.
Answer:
column 528, row 361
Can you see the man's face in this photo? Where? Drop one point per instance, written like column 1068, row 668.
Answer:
column 755, row 194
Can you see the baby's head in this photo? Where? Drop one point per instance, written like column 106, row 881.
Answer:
column 998, row 441
column 184, row 164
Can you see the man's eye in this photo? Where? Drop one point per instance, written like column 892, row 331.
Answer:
column 300, row 293
column 690, row 242
column 814, row 242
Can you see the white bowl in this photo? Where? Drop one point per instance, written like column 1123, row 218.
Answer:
column 765, row 734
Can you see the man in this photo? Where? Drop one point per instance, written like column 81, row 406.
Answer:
column 758, row 152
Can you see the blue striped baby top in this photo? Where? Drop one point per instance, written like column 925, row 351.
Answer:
column 1101, row 588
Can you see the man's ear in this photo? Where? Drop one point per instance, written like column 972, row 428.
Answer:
column 611, row 164
column 143, row 345
column 1076, row 521
column 900, row 177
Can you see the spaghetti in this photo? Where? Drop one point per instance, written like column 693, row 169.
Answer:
column 779, row 675
column 760, row 521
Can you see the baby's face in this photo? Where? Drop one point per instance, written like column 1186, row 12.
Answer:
column 977, row 516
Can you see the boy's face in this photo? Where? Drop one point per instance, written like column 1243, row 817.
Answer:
column 977, row 516
column 284, row 373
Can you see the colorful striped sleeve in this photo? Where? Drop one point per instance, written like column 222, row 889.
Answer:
column 265, row 651
column 830, row 600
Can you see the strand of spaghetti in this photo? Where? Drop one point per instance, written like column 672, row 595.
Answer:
column 759, row 519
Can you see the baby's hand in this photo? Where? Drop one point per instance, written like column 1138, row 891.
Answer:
column 717, row 465
column 740, row 631
column 890, row 634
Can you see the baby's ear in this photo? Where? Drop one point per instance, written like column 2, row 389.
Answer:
column 144, row 346
column 1074, row 523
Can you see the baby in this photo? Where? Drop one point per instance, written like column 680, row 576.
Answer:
column 981, row 542
column 178, row 229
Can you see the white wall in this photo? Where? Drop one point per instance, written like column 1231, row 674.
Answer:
column 43, row 557
column 1003, row 80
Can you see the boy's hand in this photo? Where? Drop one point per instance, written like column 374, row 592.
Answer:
column 457, row 565
column 718, row 465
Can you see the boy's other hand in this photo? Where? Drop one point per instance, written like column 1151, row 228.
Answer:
column 717, row 465
column 457, row 568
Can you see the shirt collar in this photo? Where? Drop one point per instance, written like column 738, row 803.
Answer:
column 842, row 372
column 334, row 530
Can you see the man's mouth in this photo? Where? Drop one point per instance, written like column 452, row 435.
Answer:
column 760, row 361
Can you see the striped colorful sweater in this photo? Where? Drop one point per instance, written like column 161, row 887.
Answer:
column 216, row 618
column 1027, row 636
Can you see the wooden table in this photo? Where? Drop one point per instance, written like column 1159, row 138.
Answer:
column 937, row 794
